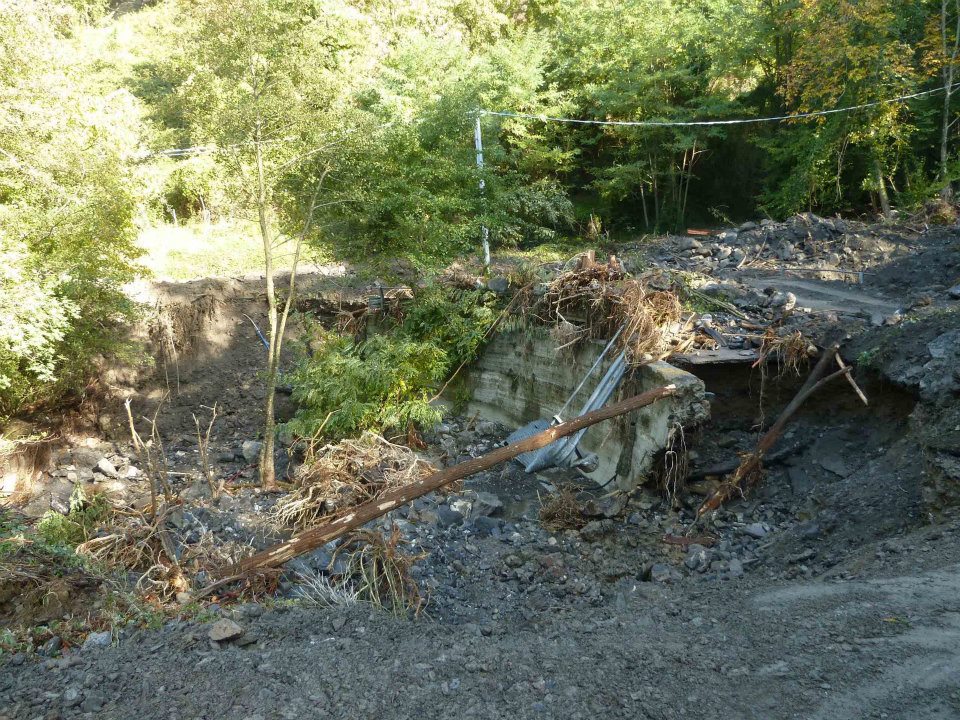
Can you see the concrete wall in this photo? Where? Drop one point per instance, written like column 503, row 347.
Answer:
column 521, row 377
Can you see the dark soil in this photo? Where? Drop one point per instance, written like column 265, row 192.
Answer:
column 828, row 593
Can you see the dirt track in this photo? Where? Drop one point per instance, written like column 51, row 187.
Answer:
column 884, row 645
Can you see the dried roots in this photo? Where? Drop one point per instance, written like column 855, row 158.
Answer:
column 349, row 473
column 605, row 299
column 378, row 571
column 561, row 511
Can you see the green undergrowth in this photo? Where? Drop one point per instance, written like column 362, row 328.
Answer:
column 47, row 590
column 385, row 383
column 79, row 524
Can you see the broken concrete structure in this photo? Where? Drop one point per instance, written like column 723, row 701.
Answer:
column 521, row 376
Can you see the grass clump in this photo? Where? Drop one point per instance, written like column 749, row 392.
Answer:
column 378, row 569
column 79, row 524
column 561, row 510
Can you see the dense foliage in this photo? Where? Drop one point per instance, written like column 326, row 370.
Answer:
column 355, row 119
column 67, row 207
column 408, row 77
column 385, row 383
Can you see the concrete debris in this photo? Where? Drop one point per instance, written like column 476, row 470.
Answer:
column 225, row 630
column 251, row 450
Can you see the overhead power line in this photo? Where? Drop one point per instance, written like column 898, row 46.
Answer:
column 701, row 123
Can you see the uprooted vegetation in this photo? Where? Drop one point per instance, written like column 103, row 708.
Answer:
column 336, row 477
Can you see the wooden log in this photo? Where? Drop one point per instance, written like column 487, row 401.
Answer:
column 749, row 469
column 359, row 516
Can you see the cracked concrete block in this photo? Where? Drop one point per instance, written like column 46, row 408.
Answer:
column 521, row 377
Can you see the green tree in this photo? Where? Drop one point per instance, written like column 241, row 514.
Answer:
column 268, row 86
column 67, row 203
column 644, row 61
column 852, row 53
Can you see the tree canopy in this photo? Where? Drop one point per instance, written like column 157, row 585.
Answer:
column 379, row 101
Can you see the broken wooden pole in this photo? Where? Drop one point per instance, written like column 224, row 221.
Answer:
column 747, row 473
column 339, row 526
column 853, row 383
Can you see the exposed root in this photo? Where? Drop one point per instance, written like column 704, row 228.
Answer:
column 675, row 464
column 561, row 511
column 130, row 542
column 380, row 571
column 791, row 352
column 349, row 473
column 321, row 591
column 647, row 308
column 175, row 327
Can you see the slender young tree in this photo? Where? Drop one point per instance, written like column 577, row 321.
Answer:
column 267, row 86
column 944, row 55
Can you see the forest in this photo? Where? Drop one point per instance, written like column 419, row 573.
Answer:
column 352, row 126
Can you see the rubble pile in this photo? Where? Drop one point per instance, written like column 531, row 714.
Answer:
column 832, row 247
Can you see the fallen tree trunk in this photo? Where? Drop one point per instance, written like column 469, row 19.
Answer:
column 357, row 517
column 748, row 473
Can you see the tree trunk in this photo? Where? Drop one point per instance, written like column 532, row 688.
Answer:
column 950, row 58
column 881, row 186
column 268, row 477
column 946, row 190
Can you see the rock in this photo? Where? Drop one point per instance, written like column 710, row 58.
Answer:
column 696, row 557
column 105, row 467
column 786, row 251
column 51, row 647
column 448, row 517
column 663, row 573
column 485, row 525
column 85, row 458
column 461, row 506
column 487, row 504
column 224, row 630
column 941, row 376
column 755, row 530
column 607, row 507
column 488, row 427
column 513, row 561
column 735, row 568
column 93, row 701
column 72, row 697
column 59, row 506
column 954, row 292
column 248, row 610
column 320, row 558
column 251, row 450
column 97, row 639
column 723, row 252
column 499, row 285
column 226, row 456
column 593, row 530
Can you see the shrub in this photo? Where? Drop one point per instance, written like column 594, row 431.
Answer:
column 385, row 383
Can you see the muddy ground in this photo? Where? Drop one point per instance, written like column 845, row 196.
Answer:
column 832, row 592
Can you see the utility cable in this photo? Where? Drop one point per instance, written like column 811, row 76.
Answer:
column 701, row 123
